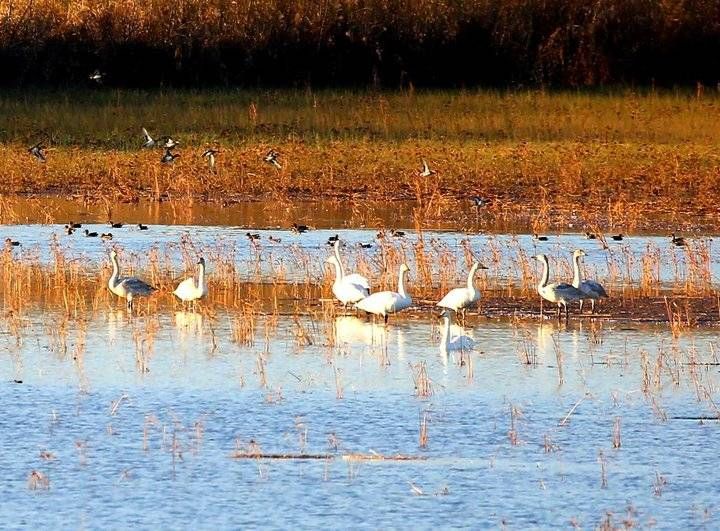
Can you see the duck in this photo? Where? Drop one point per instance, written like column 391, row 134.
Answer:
column 299, row 229
column 425, row 171
column 149, row 141
column 38, row 151
column 209, row 154
column 679, row 241
column 169, row 157
column 9, row 242
column 140, row 226
column 617, row 237
column 115, row 225
column 106, row 237
column 89, row 234
column 252, row 236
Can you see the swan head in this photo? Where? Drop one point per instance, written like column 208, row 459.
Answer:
column 113, row 254
column 404, row 268
column 201, row 261
column 540, row 257
column 579, row 252
column 446, row 314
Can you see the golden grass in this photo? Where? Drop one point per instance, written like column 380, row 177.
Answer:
column 575, row 160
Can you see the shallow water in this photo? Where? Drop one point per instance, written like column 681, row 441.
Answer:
column 143, row 413
column 301, row 256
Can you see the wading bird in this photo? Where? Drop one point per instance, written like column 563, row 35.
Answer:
column 591, row 290
column 387, row 302
column 127, row 287
column 190, row 290
column 459, row 299
column 345, row 289
column 559, row 293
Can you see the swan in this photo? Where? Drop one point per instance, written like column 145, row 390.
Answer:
column 188, row 290
column 355, row 278
column 387, row 302
column 345, row 289
column 591, row 290
column 459, row 299
column 560, row 292
column 127, row 287
column 460, row 342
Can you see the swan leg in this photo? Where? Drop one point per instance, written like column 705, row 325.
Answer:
column 581, row 304
column 386, row 318
column 558, row 311
column 592, row 305
column 567, row 312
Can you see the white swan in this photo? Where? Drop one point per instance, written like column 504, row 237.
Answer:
column 345, row 289
column 387, row 302
column 459, row 299
column 447, row 344
column 127, row 287
column 560, row 293
column 591, row 290
column 355, row 278
column 188, row 290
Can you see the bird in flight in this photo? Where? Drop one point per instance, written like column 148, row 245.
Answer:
column 97, row 77
column 169, row 156
column 149, row 142
column 210, row 155
column 426, row 171
column 37, row 151
column 272, row 158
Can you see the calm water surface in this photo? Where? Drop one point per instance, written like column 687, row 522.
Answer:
column 142, row 415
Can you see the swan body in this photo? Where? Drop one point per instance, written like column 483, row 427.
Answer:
column 387, row 302
column 459, row 299
column 345, row 288
column 127, row 287
column 355, row 278
column 559, row 293
column 189, row 290
column 591, row 289
column 448, row 344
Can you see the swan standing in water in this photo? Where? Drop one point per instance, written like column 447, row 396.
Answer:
column 459, row 299
column 560, row 293
column 387, row 302
column 460, row 342
column 127, row 287
column 355, row 278
column 591, row 290
column 345, row 288
column 189, row 290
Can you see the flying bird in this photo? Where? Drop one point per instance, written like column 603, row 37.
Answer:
column 97, row 77
column 37, row 151
column 426, row 171
column 170, row 143
column 149, row 141
column 272, row 158
column 169, row 156
column 210, row 155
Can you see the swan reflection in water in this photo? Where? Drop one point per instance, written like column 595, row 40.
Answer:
column 189, row 324
column 350, row 330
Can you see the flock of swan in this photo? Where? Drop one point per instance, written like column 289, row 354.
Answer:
column 354, row 289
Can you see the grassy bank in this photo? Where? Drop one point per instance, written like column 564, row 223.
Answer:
column 613, row 160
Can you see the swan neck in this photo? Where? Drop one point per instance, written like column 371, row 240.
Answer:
column 401, row 283
column 545, row 274
column 338, row 266
column 577, row 276
column 338, row 271
column 201, row 276
column 116, row 271
column 471, row 278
